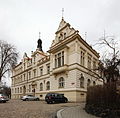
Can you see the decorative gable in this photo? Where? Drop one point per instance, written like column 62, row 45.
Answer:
column 64, row 30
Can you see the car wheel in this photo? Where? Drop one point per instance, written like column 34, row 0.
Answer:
column 53, row 102
column 48, row 103
column 37, row 99
column 26, row 99
column 66, row 101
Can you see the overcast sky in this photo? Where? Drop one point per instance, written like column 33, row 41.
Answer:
column 22, row 20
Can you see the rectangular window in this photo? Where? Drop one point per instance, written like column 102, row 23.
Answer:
column 55, row 61
column 82, row 58
column 94, row 65
column 29, row 74
column 62, row 58
column 48, row 68
column 24, row 77
column 34, row 72
column 59, row 59
column 41, row 71
column 89, row 62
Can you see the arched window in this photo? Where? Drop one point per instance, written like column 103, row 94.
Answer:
column 88, row 82
column 94, row 83
column 81, row 81
column 61, row 82
column 48, row 85
column 41, row 86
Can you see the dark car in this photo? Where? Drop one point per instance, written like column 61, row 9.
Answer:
column 29, row 98
column 3, row 98
column 55, row 98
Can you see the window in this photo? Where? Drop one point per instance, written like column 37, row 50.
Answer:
column 59, row 59
column 89, row 62
column 29, row 74
column 64, row 35
column 41, row 71
column 82, row 58
column 55, row 61
column 61, row 82
column 81, row 81
column 88, row 83
column 41, row 86
column 20, row 89
column 15, row 90
column 94, row 65
column 29, row 88
column 94, row 83
column 48, row 85
column 34, row 72
column 24, row 77
column 48, row 68
column 62, row 58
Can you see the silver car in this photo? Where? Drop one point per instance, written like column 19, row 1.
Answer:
column 3, row 98
column 29, row 98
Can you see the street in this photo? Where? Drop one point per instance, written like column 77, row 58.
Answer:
column 30, row 109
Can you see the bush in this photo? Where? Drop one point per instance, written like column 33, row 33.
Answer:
column 103, row 101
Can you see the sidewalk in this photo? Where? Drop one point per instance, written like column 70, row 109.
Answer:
column 74, row 112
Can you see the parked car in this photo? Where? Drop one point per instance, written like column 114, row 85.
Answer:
column 29, row 98
column 3, row 98
column 55, row 98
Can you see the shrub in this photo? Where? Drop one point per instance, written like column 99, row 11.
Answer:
column 103, row 100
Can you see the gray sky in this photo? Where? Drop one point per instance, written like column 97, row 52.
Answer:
column 22, row 20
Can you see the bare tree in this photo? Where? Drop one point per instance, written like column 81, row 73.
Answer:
column 108, row 66
column 8, row 58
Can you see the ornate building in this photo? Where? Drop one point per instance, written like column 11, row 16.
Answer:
column 69, row 68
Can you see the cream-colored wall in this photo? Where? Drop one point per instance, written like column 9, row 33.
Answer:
column 72, row 68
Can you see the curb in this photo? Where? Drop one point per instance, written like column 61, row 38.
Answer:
column 59, row 113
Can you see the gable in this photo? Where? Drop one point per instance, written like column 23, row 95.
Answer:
column 64, row 30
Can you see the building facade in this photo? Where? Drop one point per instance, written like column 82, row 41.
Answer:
column 67, row 68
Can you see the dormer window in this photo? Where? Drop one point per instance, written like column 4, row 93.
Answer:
column 64, row 35
column 61, row 36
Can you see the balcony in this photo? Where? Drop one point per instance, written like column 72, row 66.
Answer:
column 60, row 69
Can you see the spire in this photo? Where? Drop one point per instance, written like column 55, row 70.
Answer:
column 62, row 13
column 39, row 46
column 39, row 35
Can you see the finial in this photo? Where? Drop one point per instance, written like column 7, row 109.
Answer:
column 85, row 36
column 39, row 35
column 62, row 13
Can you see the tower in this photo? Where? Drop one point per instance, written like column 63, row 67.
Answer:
column 39, row 46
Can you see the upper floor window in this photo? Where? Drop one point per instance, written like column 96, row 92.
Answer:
column 34, row 72
column 48, row 85
column 41, row 86
column 89, row 62
column 48, row 68
column 41, row 71
column 29, row 75
column 64, row 35
column 94, row 65
column 81, row 81
column 59, row 59
column 82, row 58
column 61, row 82
column 88, row 82
column 24, row 77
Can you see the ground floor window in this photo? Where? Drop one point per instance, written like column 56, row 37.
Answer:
column 61, row 82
